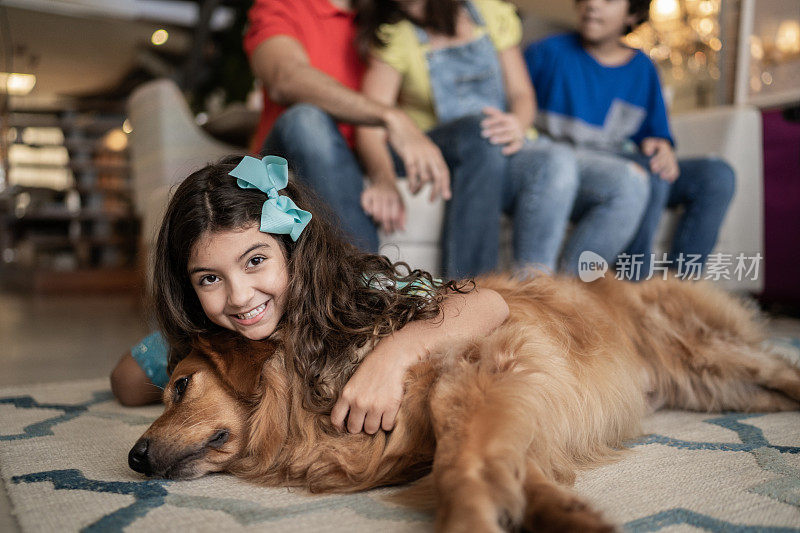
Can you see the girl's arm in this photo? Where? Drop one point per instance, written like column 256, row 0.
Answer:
column 373, row 395
column 509, row 128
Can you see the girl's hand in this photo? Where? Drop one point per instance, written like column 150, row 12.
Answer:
column 662, row 158
column 503, row 128
column 372, row 396
column 381, row 200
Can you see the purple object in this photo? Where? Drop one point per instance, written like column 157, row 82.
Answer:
column 781, row 208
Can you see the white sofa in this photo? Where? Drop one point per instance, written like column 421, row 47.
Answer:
column 166, row 145
column 732, row 133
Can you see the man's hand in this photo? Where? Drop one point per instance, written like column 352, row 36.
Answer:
column 503, row 128
column 381, row 200
column 662, row 158
column 422, row 159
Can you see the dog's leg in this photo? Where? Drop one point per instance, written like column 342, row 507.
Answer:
column 728, row 376
column 482, row 435
column 551, row 507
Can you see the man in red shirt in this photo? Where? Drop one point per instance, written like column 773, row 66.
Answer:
column 304, row 54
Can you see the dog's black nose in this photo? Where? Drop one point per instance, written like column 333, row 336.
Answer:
column 138, row 459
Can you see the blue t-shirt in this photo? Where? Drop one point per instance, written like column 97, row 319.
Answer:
column 594, row 105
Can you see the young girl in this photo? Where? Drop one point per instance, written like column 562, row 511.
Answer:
column 243, row 249
column 442, row 60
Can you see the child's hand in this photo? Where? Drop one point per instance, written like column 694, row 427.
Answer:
column 382, row 201
column 503, row 128
column 662, row 158
column 373, row 395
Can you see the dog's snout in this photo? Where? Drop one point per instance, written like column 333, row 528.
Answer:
column 138, row 459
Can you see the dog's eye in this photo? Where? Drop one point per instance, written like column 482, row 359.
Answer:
column 180, row 387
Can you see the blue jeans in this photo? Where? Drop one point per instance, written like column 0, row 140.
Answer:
column 704, row 188
column 471, row 232
column 612, row 195
column 540, row 190
column 321, row 159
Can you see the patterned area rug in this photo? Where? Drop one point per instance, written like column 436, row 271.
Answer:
column 63, row 456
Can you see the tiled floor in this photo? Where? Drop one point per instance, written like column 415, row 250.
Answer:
column 46, row 339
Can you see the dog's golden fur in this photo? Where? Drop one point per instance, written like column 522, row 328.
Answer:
column 501, row 424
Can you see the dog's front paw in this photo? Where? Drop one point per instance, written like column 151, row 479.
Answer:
column 561, row 514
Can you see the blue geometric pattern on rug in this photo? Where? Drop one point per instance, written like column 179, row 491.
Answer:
column 674, row 517
column 785, row 489
column 150, row 494
column 45, row 427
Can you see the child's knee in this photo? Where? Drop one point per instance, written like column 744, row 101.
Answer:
column 636, row 183
column 720, row 180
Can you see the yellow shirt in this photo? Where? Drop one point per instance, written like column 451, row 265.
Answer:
column 406, row 55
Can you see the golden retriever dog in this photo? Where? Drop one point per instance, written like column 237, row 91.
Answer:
column 497, row 427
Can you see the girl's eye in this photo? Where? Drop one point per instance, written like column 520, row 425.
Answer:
column 208, row 279
column 255, row 261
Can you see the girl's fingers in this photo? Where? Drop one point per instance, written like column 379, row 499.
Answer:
column 339, row 413
column 372, row 423
column 504, row 138
column 491, row 121
column 503, row 130
column 355, row 420
column 388, row 420
column 492, row 129
column 512, row 148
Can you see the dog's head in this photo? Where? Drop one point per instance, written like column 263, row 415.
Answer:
column 210, row 395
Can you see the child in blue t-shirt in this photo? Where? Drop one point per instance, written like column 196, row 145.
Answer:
column 604, row 97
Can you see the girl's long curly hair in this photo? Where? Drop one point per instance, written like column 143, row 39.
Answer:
column 439, row 17
column 338, row 298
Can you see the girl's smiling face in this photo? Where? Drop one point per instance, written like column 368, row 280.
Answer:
column 240, row 277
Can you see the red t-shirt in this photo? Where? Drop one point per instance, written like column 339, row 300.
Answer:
column 326, row 33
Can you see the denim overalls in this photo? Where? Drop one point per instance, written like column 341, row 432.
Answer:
column 464, row 78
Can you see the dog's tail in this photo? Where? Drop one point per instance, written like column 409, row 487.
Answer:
column 420, row 495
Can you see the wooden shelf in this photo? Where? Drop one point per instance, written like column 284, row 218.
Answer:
column 53, row 248
column 73, row 281
column 81, row 215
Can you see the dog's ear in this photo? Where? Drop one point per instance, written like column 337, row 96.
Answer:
column 239, row 362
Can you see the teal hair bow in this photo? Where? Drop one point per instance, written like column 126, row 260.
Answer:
column 279, row 214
